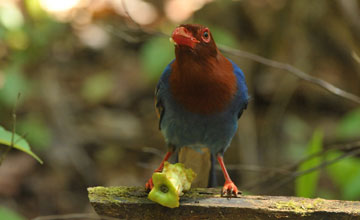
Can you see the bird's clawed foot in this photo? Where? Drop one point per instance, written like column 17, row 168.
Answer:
column 229, row 189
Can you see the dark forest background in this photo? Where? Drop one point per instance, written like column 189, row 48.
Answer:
column 86, row 71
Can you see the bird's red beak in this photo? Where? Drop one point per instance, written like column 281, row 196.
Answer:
column 183, row 37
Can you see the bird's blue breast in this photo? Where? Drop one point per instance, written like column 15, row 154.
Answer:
column 183, row 128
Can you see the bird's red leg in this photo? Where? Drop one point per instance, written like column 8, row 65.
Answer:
column 149, row 184
column 229, row 186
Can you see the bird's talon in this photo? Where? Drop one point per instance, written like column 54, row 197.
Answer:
column 229, row 190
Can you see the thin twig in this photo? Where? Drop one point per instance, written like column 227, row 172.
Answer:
column 346, row 147
column 295, row 71
column 255, row 168
column 284, row 66
column 122, row 34
column 268, row 62
column 75, row 216
column 291, row 169
column 303, row 172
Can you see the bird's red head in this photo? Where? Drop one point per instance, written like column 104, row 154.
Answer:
column 201, row 79
column 195, row 38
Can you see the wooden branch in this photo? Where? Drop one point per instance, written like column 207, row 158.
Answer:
column 132, row 203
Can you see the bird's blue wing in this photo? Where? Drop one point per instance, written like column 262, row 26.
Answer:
column 160, row 89
column 242, row 97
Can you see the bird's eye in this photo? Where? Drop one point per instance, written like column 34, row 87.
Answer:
column 206, row 34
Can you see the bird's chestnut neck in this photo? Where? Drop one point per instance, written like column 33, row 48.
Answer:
column 203, row 85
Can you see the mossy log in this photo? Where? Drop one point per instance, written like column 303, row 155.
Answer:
column 201, row 203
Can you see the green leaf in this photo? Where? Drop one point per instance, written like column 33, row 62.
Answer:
column 20, row 143
column 349, row 126
column 8, row 214
column 305, row 186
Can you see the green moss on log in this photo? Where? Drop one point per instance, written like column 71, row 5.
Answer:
column 132, row 203
column 301, row 207
column 114, row 194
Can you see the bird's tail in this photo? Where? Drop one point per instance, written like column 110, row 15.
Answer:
column 202, row 163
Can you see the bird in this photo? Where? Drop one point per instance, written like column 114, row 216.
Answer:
column 199, row 98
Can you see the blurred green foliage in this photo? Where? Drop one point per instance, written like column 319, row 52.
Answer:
column 349, row 126
column 305, row 185
column 155, row 55
column 224, row 37
column 34, row 9
column 15, row 83
column 36, row 130
column 345, row 174
column 27, row 41
column 11, row 17
column 7, row 214
column 97, row 87
column 297, row 130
